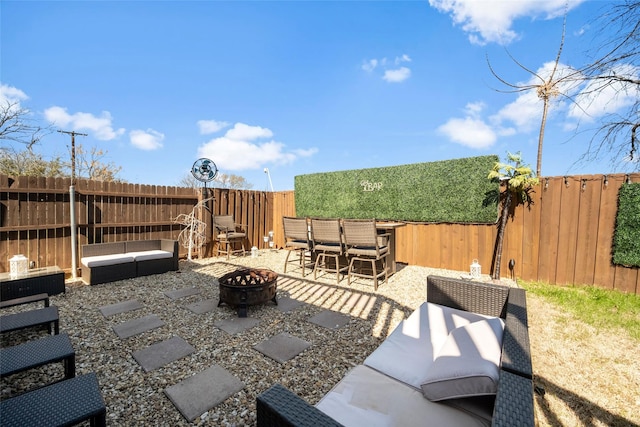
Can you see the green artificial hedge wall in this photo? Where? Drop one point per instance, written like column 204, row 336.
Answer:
column 445, row 191
column 626, row 240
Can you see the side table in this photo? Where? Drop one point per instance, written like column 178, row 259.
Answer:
column 49, row 280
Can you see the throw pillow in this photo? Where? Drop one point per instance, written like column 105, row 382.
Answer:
column 468, row 363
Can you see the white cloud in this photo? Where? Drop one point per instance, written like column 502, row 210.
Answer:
column 370, row 65
column 397, row 76
column 403, row 58
column 241, row 148
column 524, row 113
column 12, row 95
column 469, row 131
column 595, row 100
column 475, row 108
column 100, row 126
column 305, row 153
column 472, row 130
column 146, row 140
column 242, row 132
column 211, row 126
column 491, row 21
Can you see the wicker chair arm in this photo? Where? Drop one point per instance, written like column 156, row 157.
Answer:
column 514, row 402
column 516, row 349
column 278, row 406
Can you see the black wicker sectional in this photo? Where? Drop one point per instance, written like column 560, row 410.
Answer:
column 368, row 389
column 108, row 262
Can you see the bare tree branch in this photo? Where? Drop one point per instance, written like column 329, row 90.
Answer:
column 16, row 125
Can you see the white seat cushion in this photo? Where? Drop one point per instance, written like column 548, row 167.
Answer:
column 468, row 363
column 152, row 254
column 408, row 352
column 102, row 260
column 365, row 397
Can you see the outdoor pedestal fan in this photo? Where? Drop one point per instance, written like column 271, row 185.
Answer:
column 204, row 170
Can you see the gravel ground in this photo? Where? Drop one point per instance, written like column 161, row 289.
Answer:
column 136, row 397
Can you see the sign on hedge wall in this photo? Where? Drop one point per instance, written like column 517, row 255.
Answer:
column 445, row 191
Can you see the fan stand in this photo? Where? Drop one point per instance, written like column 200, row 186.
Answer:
column 204, row 170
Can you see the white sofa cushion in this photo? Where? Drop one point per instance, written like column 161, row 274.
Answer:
column 152, row 254
column 468, row 363
column 103, row 260
column 408, row 352
column 365, row 397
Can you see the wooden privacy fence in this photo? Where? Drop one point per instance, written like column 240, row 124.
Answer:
column 35, row 215
column 564, row 237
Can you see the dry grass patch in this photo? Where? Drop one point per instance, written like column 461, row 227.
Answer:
column 591, row 374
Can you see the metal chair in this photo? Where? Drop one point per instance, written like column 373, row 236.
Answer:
column 228, row 235
column 296, row 239
column 327, row 243
column 365, row 245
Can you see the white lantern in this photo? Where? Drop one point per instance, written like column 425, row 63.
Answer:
column 18, row 266
column 476, row 269
column 254, row 252
column 271, row 242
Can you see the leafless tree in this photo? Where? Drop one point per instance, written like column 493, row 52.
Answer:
column 189, row 181
column 222, row 181
column 90, row 165
column 17, row 125
column 556, row 84
column 233, row 181
column 617, row 68
column 29, row 163
column 614, row 74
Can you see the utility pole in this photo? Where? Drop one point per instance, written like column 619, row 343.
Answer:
column 73, row 152
column 72, row 202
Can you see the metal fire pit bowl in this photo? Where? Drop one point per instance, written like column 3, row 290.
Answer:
column 248, row 286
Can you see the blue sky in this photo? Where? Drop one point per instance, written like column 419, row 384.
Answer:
column 296, row 86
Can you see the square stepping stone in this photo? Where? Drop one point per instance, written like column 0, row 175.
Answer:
column 282, row 347
column 157, row 355
column 121, row 307
column 203, row 391
column 138, row 326
column 286, row 304
column 204, row 306
column 330, row 319
column 181, row 293
column 234, row 325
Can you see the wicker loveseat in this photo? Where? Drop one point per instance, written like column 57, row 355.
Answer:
column 108, row 262
column 436, row 368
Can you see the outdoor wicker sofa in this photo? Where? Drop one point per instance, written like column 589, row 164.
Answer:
column 108, row 262
column 422, row 375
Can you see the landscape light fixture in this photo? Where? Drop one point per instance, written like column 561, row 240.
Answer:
column 266, row 170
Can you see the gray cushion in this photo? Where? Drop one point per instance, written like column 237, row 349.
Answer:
column 408, row 352
column 365, row 397
column 148, row 255
column 468, row 363
column 102, row 260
